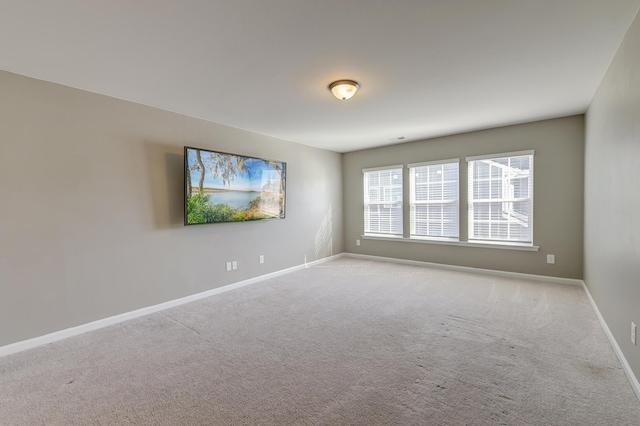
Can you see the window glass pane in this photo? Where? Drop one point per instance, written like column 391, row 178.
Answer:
column 435, row 191
column 481, row 190
column 481, row 170
column 383, row 201
column 496, row 189
column 434, row 200
column 496, row 172
column 509, row 181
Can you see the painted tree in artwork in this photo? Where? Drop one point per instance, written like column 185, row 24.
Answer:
column 198, row 166
column 188, row 178
column 201, row 168
column 197, row 208
column 226, row 166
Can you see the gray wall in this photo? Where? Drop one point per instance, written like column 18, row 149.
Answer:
column 91, row 218
column 612, row 195
column 558, row 196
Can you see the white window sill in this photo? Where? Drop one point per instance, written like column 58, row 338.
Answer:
column 446, row 242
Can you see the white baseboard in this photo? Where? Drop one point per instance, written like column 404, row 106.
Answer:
column 519, row 275
column 614, row 343
column 105, row 322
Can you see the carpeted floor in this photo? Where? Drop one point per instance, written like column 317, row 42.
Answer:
column 349, row 342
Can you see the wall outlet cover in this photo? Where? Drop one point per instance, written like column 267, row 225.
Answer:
column 634, row 332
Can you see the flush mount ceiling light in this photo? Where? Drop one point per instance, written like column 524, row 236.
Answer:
column 344, row 89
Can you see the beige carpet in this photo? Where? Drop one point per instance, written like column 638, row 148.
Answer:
column 350, row 342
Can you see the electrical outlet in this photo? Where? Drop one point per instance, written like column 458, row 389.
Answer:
column 262, row 258
column 633, row 333
column 551, row 258
column 228, row 266
column 357, row 242
column 234, row 265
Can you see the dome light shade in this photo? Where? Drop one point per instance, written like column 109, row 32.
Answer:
column 344, row 89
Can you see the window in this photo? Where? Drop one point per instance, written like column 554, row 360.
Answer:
column 383, row 201
column 434, row 199
column 501, row 197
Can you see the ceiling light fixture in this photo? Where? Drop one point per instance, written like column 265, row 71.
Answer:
column 344, row 89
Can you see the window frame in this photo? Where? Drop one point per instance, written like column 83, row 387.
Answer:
column 413, row 218
column 397, row 203
column 504, row 200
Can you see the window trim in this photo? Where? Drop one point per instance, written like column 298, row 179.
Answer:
column 478, row 243
column 412, row 202
column 446, row 242
column 400, row 203
column 434, row 163
column 470, row 201
column 375, row 169
column 500, row 155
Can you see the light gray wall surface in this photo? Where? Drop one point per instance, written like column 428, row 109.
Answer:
column 91, row 218
column 612, row 195
column 558, row 196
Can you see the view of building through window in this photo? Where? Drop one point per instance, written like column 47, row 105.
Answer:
column 434, row 199
column 383, row 201
column 501, row 198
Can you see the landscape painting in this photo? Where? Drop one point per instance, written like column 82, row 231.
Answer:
column 222, row 187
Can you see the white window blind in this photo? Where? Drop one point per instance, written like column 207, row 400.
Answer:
column 501, row 197
column 383, row 201
column 434, row 199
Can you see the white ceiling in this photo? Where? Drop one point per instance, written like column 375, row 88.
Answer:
column 426, row 67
